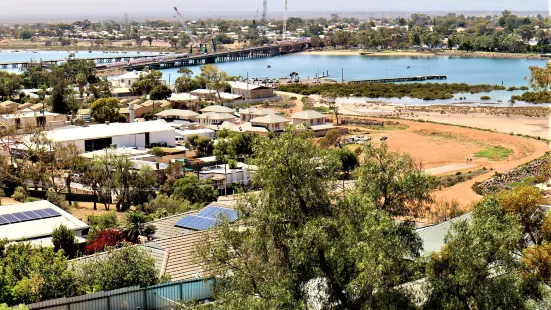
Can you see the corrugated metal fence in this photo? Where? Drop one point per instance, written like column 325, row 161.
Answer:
column 130, row 298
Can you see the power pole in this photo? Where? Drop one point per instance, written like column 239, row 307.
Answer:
column 126, row 29
column 284, row 34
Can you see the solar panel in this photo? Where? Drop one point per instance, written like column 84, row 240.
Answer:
column 20, row 216
column 11, row 218
column 31, row 215
column 218, row 213
column 196, row 222
column 3, row 221
column 42, row 214
column 52, row 212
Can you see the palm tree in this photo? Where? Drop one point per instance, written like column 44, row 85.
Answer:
column 136, row 226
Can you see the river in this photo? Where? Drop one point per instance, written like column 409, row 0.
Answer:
column 509, row 72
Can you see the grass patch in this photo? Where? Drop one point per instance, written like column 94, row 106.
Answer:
column 494, row 153
column 458, row 177
column 439, row 134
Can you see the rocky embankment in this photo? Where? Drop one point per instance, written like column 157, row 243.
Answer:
column 110, row 72
column 536, row 168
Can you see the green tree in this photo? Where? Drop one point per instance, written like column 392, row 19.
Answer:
column 10, row 84
column 195, row 191
column 215, row 79
column 63, row 238
column 478, row 266
column 301, row 246
column 203, row 146
column 150, row 40
column 394, row 181
column 26, row 35
column 160, row 92
column 124, row 267
column 137, row 225
column 105, row 110
column 146, row 82
column 171, row 205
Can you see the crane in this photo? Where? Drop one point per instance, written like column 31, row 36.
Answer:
column 183, row 23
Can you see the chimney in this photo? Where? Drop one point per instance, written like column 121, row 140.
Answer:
column 131, row 112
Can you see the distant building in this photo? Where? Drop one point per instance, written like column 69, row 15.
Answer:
column 213, row 118
column 251, row 91
column 183, row 135
column 217, row 109
column 272, row 122
column 312, row 120
column 35, row 222
column 99, row 137
column 177, row 114
column 8, row 107
column 210, row 94
column 31, row 119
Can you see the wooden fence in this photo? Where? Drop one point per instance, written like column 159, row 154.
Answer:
column 161, row 296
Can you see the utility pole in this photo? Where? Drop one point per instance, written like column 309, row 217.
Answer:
column 284, row 34
column 126, row 29
column 342, row 75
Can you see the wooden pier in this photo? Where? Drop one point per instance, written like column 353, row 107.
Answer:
column 403, row 79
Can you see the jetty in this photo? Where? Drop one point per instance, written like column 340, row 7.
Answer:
column 139, row 62
column 402, row 79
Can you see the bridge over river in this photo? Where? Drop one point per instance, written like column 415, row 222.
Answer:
column 139, row 62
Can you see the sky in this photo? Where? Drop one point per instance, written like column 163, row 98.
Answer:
column 107, row 9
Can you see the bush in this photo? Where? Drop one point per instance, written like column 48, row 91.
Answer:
column 57, row 199
column 157, row 151
column 103, row 221
column 63, row 238
column 19, row 194
column 170, row 205
column 293, row 98
column 104, row 238
column 485, row 98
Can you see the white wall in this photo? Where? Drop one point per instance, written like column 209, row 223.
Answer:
column 168, row 136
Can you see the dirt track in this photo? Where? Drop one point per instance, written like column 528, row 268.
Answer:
column 441, row 145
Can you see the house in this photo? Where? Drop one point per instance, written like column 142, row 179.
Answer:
column 214, row 118
column 433, row 237
column 31, row 119
column 128, row 79
column 151, row 106
column 183, row 98
column 312, row 120
column 101, row 136
column 272, row 122
column 177, row 114
column 35, row 222
column 220, row 174
column 37, row 107
column 217, row 109
column 139, row 111
column 183, row 135
column 251, row 91
column 247, row 114
column 8, row 107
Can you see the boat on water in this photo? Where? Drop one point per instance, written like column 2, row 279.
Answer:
column 409, row 67
column 268, row 66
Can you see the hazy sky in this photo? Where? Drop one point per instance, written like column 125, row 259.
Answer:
column 70, row 9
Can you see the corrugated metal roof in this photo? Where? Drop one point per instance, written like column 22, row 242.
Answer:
column 433, row 236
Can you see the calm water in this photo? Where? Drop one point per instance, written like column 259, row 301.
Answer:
column 509, row 72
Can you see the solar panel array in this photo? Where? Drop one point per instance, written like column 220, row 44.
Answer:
column 207, row 218
column 25, row 216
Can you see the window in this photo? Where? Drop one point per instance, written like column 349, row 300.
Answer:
column 147, row 138
column 97, row 144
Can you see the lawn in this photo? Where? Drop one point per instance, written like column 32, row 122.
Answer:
column 494, row 153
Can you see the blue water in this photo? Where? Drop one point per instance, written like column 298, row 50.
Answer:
column 510, row 72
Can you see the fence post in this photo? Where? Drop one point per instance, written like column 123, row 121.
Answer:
column 145, row 298
column 181, row 291
column 108, row 303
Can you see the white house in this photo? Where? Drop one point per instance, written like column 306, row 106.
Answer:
column 99, row 137
column 219, row 173
column 128, row 79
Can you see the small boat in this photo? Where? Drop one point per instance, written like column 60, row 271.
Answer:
column 409, row 67
column 16, row 51
column 268, row 66
column 34, row 52
column 89, row 51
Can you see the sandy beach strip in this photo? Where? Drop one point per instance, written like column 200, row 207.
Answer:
column 367, row 53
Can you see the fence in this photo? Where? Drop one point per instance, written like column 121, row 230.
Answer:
column 131, row 298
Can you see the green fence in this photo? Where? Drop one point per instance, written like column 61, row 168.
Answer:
column 161, row 296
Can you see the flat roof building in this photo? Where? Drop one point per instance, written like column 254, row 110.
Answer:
column 35, row 222
column 251, row 91
column 173, row 114
column 99, row 137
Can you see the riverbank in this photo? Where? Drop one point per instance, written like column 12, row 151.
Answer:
column 110, row 72
column 453, row 53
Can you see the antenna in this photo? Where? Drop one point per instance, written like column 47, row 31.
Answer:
column 284, row 34
column 264, row 12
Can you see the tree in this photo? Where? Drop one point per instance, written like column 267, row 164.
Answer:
column 204, row 146
column 124, row 267
column 160, row 92
column 10, row 84
column 186, row 84
column 478, row 265
column 26, row 35
column 105, row 110
column 215, row 79
column 316, row 41
column 63, row 238
column 30, row 274
column 146, row 82
column 171, row 205
column 299, row 247
column 195, row 191
column 393, row 181
column 332, row 139
column 525, row 202
column 539, row 79
column 136, row 226
column 149, row 39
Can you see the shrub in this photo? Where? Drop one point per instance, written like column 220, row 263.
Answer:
column 485, row 98
column 19, row 194
column 293, row 98
column 57, row 199
column 104, row 238
column 157, row 151
column 103, row 221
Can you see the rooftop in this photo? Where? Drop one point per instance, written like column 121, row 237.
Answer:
column 270, row 119
column 104, row 130
column 217, row 109
column 34, row 226
column 309, row 114
column 182, row 97
column 259, row 111
column 216, row 116
column 433, row 236
column 177, row 112
column 245, row 85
